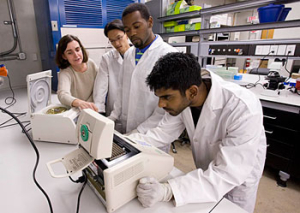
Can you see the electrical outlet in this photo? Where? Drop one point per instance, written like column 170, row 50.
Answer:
column 22, row 56
column 54, row 26
column 274, row 48
column 290, row 50
column 281, row 49
column 266, row 50
column 258, row 50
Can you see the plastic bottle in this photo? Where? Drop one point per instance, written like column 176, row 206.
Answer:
column 3, row 70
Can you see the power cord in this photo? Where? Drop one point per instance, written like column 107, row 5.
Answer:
column 13, row 100
column 82, row 188
column 17, row 115
column 81, row 179
column 11, row 103
column 37, row 155
column 286, row 60
column 250, row 85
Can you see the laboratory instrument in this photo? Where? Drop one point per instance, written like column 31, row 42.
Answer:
column 49, row 122
column 113, row 163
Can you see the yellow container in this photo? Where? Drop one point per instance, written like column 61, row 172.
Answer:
column 179, row 28
column 170, row 23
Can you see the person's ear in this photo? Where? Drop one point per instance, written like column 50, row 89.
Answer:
column 150, row 22
column 64, row 57
column 192, row 92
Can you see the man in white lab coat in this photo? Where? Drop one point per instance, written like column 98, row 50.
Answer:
column 225, row 125
column 136, row 106
column 107, row 80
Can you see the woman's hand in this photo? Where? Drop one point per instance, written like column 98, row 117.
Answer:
column 84, row 105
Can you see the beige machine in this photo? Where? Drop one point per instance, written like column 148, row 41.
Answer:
column 113, row 163
column 49, row 122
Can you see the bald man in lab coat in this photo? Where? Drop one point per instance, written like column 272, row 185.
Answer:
column 225, row 125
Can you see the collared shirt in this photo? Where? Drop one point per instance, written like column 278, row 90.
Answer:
column 139, row 52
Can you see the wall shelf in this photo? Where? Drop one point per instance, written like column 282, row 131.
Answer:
column 263, row 26
column 205, row 14
column 234, row 7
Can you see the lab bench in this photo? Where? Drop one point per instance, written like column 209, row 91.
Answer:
column 282, row 127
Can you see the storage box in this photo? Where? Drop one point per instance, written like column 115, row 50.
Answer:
column 190, row 9
column 225, row 74
column 174, row 8
column 194, row 26
column 170, row 23
column 169, row 29
column 179, row 28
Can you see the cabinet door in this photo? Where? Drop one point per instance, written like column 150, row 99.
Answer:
column 278, row 162
column 281, row 118
column 295, row 164
column 281, row 134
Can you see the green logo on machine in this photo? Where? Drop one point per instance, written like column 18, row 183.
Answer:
column 84, row 132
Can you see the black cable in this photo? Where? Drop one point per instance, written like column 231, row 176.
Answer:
column 81, row 179
column 250, row 85
column 26, row 126
column 16, row 124
column 13, row 100
column 79, row 195
column 11, row 103
column 37, row 155
column 16, row 114
column 286, row 60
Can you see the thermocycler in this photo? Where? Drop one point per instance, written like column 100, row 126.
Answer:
column 113, row 163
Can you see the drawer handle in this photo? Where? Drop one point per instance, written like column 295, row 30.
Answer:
column 273, row 118
column 269, row 132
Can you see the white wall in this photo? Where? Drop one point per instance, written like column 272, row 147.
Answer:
column 25, row 19
column 94, row 40
column 290, row 32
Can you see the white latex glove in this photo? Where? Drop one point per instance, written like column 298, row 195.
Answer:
column 150, row 191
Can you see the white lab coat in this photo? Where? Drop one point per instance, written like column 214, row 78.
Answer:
column 228, row 146
column 136, row 106
column 107, row 81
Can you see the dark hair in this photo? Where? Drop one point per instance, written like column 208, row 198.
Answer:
column 142, row 8
column 177, row 71
column 62, row 46
column 114, row 25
